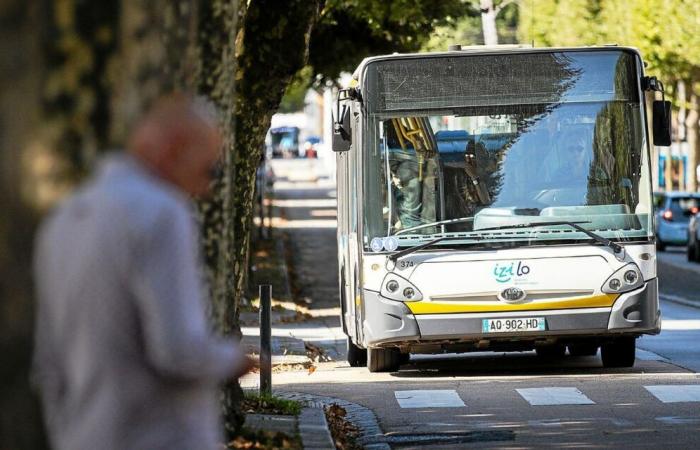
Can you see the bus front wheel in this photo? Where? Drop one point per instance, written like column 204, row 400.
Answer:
column 383, row 359
column 619, row 353
column 357, row 357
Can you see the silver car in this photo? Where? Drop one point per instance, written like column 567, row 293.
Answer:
column 673, row 211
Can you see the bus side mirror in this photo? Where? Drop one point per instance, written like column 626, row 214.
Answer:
column 341, row 131
column 661, row 116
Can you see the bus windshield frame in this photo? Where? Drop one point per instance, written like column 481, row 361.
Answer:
column 487, row 140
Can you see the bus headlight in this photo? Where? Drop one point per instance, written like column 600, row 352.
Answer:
column 395, row 287
column 626, row 278
column 614, row 284
column 392, row 285
column 631, row 277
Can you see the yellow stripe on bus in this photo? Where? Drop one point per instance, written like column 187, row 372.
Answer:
column 426, row 307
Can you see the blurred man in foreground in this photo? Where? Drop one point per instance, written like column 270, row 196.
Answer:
column 124, row 358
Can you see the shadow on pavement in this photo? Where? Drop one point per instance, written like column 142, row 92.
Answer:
column 514, row 364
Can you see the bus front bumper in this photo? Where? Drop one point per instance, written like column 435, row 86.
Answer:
column 390, row 323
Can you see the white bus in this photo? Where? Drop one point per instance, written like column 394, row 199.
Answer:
column 498, row 199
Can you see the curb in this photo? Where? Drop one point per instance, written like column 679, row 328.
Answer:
column 679, row 300
column 314, row 431
column 371, row 436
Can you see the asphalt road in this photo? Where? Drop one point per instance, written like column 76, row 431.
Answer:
column 516, row 400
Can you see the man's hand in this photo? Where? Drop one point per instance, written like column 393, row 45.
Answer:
column 246, row 365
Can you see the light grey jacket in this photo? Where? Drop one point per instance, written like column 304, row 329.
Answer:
column 124, row 358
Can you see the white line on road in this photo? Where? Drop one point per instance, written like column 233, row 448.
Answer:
column 679, row 420
column 645, row 355
column 675, row 393
column 554, row 396
column 429, row 399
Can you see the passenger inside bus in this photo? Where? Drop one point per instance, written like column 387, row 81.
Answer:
column 413, row 170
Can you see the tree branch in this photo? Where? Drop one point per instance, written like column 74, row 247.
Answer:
column 503, row 4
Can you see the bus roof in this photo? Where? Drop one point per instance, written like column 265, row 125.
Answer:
column 484, row 49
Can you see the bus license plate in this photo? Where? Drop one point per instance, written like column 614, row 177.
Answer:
column 512, row 325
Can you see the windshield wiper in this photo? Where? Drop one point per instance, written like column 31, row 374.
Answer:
column 408, row 251
column 616, row 248
column 435, row 224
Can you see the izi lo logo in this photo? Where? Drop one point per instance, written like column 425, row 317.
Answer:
column 506, row 272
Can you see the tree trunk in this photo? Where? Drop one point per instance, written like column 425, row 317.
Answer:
column 72, row 77
column 691, row 123
column 270, row 46
column 488, row 22
column 681, row 133
column 21, row 71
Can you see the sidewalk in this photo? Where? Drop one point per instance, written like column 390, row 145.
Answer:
column 306, row 332
column 304, row 220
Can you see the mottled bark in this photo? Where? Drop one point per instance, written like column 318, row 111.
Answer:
column 245, row 70
column 72, row 76
column 691, row 123
column 20, row 189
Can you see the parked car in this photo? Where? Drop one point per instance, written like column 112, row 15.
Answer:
column 694, row 238
column 673, row 211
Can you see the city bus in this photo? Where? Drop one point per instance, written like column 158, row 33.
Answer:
column 498, row 199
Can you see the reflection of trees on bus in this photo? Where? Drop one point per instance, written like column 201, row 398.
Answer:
column 616, row 148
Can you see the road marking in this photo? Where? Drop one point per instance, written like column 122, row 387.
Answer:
column 676, row 393
column 554, row 396
column 646, row 355
column 429, row 399
column 679, row 420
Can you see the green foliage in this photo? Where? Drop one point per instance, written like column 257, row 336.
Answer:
column 665, row 31
column 350, row 30
column 295, row 94
column 467, row 30
column 269, row 404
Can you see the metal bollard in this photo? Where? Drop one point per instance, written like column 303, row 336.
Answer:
column 265, row 339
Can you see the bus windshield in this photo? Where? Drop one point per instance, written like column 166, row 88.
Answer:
column 571, row 149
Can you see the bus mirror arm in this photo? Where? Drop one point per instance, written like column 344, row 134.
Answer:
column 342, row 138
column 661, row 112
column 341, row 131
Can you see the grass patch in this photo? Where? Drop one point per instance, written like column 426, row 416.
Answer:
column 254, row 403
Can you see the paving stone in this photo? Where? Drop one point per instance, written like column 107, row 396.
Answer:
column 371, row 435
column 269, row 422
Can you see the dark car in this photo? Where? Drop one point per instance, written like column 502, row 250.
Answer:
column 673, row 211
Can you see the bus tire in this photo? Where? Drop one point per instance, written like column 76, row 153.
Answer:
column 383, row 359
column 583, row 349
column 619, row 353
column 551, row 351
column 357, row 357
